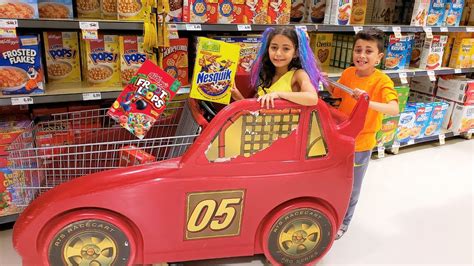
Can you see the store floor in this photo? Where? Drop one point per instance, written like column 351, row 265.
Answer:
column 416, row 208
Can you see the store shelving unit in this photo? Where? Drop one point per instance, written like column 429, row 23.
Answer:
column 9, row 218
column 74, row 24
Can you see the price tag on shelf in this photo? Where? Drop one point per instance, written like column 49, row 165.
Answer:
column 380, row 152
column 357, row 29
column 470, row 131
column 442, row 138
column 411, row 142
column 470, row 29
column 443, row 29
column 431, row 75
column 429, row 32
column 303, row 27
column 193, row 27
column 8, row 28
column 403, row 77
column 89, row 30
column 22, row 100
column 457, row 71
column 173, row 31
column 395, row 147
column 91, row 96
column 397, row 31
column 244, row 27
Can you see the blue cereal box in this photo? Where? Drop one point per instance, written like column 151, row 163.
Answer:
column 453, row 13
column 436, row 120
column 55, row 8
column 436, row 13
column 397, row 52
column 406, row 124
column 20, row 66
column 18, row 9
column 422, row 118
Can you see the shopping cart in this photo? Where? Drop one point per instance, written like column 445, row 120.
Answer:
column 74, row 144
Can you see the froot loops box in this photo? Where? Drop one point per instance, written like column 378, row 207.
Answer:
column 144, row 99
column 214, row 70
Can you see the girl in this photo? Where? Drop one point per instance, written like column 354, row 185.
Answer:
column 285, row 68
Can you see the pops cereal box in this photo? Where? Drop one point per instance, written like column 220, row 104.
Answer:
column 174, row 60
column 432, row 54
column 214, row 70
column 108, row 9
column 298, row 11
column 101, row 61
column 453, row 13
column 132, row 56
column 88, row 8
column 18, row 9
column 436, row 13
column 231, row 11
column 131, row 9
column 62, row 56
column 20, row 66
column 143, row 99
column 279, row 11
column 321, row 43
column 55, row 8
column 257, row 11
column 200, row 11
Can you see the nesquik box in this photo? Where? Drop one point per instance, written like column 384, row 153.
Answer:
column 231, row 11
column 174, row 60
column 214, row 70
column 257, row 11
column 144, row 99
column 279, row 11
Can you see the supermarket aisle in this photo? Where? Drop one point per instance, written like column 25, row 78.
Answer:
column 416, row 208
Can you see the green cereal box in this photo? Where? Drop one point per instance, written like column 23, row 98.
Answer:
column 62, row 56
column 101, row 61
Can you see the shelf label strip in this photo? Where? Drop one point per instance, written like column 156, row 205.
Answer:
column 244, row 27
column 22, row 100
column 90, row 30
column 193, row 27
column 8, row 28
column 91, row 96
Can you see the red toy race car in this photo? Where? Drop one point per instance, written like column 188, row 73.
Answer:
column 273, row 181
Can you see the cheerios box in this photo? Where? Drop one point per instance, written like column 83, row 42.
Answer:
column 62, row 56
column 279, row 11
column 231, row 11
column 131, row 9
column 143, row 100
column 432, row 53
column 88, row 8
column 132, row 56
column 321, row 44
column 359, row 10
column 26, row 9
column 174, row 60
column 461, row 53
column 21, row 71
column 200, row 11
column 55, row 8
column 101, row 61
column 397, row 52
column 453, row 13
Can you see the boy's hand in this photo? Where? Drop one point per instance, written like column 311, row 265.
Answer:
column 268, row 100
column 357, row 93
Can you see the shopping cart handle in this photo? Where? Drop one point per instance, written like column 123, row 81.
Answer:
column 345, row 88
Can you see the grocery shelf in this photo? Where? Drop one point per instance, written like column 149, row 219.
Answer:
column 73, row 24
column 9, row 218
column 389, row 28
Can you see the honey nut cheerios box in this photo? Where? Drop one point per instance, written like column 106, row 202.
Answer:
column 174, row 60
column 26, row 9
column 214, row 70
column 279, row 11
column 101, row 61
column 432, row 53
column 200, row 11
column 88, row 8
column 143, row 100
column 62, row 56
column 232, row 11
column 130, row 9
column 21, row 71
column 257, row 11
column 132, row 56
column 55, row 8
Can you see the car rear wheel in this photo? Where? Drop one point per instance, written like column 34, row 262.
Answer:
column 298, row 235
column 91, row 242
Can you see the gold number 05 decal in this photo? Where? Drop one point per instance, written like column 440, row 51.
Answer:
column 213, row 214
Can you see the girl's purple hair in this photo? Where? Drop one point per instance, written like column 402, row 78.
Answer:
column 305, row 54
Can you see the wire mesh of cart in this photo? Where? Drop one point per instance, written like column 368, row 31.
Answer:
column 74, row 144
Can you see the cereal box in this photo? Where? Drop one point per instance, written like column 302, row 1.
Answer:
column 397, row 52
column 403, row 92
column 279, row 11
column 410, row 44
column 18, row 9
column 456, row 89
column 131, row 155
column 298, row 11
column 143, row 99
column 386, row 134
column 406, row 124
column 257, row 11
column 132, row 56
column 461, row 53
column 174, row 60
column 101, row 61
column 436, row 13
column 462, row 119
column 130, row 9
column 62, row 56
column 453, row 12
column 20, row 65
column 249, row 47
column 176, row 11
column 316, row 11
column 359, row 8
column 420, row 12
column 383, row 12
column 214, row 70
column 200, row 11
column 338, row 12
column 88, row 8
column 417, row 48
column 437, row 115
column 55, row 8
column 231, row 11
column 108, row 9
column 432, row 54
column 423, row 84
column 423, row 117
column 321, row 43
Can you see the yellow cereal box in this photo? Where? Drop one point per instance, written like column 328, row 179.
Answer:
column 130, row 9
column 101, row 61
column 62, row 56
column 132, row 56
column 359, row 8
column 321, row 44
column 461, row 53
column 214, row 70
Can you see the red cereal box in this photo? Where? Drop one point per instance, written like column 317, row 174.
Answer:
column 144, row 99
column 257, row 11
column 200, row 11
column 279, row 11
column 131, row 155
column 232, row 11
column 174, row 60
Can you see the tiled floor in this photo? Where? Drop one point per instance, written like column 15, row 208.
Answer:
column 415, row 208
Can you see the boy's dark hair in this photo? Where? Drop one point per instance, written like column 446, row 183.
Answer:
column 372, row 34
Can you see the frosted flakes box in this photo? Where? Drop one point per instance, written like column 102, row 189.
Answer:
column 88, row 8
column 453, row 12
column 231, row 11
column 298, row 11
column 55, row 8
column 279, row 11
column 130, row 9
column 397, row 52
column 101, row 61
column 436, row 13
column 132, row 56
column 62, row 56
column 143, row 99
column 433, row 127
column 200, row 11
column 20, row 66
column 257, row 11
column 174, row 60
column 338, row 12
column 214, row 70
column 18, row 9
column 432, row 54
column 249, row 47
column 321, row 43
column 420, row 12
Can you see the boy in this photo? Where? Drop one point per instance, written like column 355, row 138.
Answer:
column 364, row 77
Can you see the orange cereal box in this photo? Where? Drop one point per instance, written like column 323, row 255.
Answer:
column 279, row 11
column 101, row 61
column 132, row 56
column 257, row 11
column 232, row 11
column 200, row 11
column 174, row 60
column 144, row 99
column 214, row 70
column 62, row 56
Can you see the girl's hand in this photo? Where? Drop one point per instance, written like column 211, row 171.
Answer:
column 267, row 100
column 235, row 93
